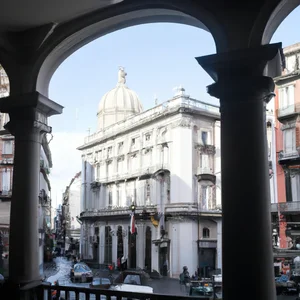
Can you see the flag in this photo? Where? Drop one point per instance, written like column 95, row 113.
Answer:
column 132, row 224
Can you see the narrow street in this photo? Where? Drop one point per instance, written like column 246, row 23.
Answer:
column 59, row 270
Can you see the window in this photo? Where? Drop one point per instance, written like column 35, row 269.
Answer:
column 109, row 151
column 7, row 147
column 295, row 186
column 6, row 176
column 147, row 192
column 119, row 196
column 204, row 197
column 205, row 232
column 133, row 142
column 98, row 172
column 286, row 97
column 289, row 138
column 148, row 137
column 204, row 136
column 205, row 162
column 109, row 198
column 120, row 147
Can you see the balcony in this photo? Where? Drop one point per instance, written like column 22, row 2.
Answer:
column 286, row 207
column 288, row 112
column 116, row 211
column 206, row 174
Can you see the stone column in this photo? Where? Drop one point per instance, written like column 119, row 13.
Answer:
column 247, row 241
column 28, row 122
column 140, row 245
column 102, row 244
column 114, row 244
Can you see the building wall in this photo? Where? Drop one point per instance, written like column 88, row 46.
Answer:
column 156, row 166
column 74, row 203
column 288, row 139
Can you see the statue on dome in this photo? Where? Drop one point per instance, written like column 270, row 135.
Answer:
column 122, row 75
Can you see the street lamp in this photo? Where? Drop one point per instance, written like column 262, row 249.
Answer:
column 132, row 207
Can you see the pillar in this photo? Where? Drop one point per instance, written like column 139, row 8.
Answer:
column 114, row 244
column 28, row 123
column 246, row 234
column 140, row 245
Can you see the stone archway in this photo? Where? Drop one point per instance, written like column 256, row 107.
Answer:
column 75, row 34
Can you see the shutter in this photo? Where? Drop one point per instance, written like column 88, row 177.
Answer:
column 297, row 137
column 291, row 95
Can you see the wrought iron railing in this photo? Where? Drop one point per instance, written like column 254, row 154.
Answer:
column 46, row 292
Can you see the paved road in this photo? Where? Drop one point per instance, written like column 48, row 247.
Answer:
column 169, row 286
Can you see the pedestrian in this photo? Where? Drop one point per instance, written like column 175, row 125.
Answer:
column 119, row 263
column 185, row 280
column 165, row 268
column 123, row 263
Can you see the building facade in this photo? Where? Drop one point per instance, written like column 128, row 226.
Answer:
column 71, row 212
column 286, row 212
column 161, row 165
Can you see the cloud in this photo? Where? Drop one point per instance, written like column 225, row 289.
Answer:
column 66, row 161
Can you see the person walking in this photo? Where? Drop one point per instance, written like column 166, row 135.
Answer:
column 184, row 279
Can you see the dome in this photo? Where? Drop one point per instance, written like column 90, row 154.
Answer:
column 118, row 104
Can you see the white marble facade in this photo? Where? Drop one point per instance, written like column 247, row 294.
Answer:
column 165, row 161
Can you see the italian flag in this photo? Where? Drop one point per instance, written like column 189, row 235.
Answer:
column 132, row 224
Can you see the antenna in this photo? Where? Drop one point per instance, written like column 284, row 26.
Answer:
column 89, row 130
column 155, row 100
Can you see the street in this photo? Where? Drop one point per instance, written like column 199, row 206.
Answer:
column 59, row 270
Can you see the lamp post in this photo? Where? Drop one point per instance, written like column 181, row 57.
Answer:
column 132, row 207
column 132, row 241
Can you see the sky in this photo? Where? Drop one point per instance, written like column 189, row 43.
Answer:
column 157, row 58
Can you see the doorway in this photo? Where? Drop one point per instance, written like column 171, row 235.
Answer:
column 164, row 259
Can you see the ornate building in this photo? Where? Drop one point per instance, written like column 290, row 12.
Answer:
column 163, row 165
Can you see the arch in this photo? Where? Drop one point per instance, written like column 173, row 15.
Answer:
column 69, row 37
column 4, row 82
column 148, row 249
column 108, row 245
column 278, row 14
column 205, row 232
column 120, row 242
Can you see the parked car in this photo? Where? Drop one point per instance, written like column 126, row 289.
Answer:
column 81, row 273
column 133, row 281
column 198, row 288
column 101, row 283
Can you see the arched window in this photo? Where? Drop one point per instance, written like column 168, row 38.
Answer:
column 205, row 232
column 120, row 246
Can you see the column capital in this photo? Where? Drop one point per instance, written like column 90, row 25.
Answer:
column 30, row 110
column 240, row 72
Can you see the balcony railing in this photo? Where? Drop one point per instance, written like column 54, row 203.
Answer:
column 148, row 115
column 44, row 292
column 288, row 111
column 116, row 211
column 286, row 207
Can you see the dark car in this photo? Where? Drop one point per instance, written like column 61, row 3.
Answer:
column 101, row 283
